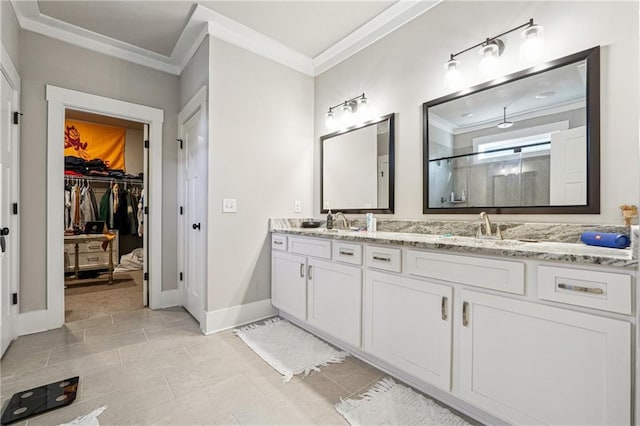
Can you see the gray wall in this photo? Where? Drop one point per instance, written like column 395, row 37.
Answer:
column 195, row 74
column 9, row 31
column 46, row 61
column 262, row 144
column 404, row 69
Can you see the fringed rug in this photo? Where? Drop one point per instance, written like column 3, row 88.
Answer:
column 389, row 403
column 287, row 348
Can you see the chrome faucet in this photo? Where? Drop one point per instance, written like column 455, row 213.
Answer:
column 488, row 233
column 343, row 223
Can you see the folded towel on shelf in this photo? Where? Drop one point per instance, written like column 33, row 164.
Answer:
column 605, row 239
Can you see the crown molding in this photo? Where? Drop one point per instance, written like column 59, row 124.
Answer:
column 204, row 21
column 386, row 22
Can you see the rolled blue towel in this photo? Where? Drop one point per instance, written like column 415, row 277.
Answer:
column 605, row 239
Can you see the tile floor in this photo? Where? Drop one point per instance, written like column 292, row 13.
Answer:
column 155, row 367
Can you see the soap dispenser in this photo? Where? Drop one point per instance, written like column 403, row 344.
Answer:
column 329, row 220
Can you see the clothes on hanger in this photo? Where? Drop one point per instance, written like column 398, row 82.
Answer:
column 119, row 209
column 80, row 205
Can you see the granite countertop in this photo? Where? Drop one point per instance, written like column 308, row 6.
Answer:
column 543, row 250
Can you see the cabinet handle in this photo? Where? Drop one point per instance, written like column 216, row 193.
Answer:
column 278, row 242
column 309, row 272
column 93, row 247
column 93, row 259
column 344, row 252
column 382, row 259
column 302, row 270
column 443, row 308
column 465, row 312
column 591, row 290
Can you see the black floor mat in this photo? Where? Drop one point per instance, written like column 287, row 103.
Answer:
column 39, row 400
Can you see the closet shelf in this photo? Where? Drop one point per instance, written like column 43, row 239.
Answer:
column 105, row 179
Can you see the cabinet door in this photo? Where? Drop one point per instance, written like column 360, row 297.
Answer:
column 289, row 284
column 407, row 323
column 532, row 364
column 335, row 299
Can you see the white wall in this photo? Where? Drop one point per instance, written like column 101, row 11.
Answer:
column 9, row 31
column 195, row 74
column 405, row 69
column 47, row 61
column 262, row 144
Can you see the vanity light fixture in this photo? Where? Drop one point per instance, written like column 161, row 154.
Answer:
column 492, row 48
column 356, row 107
column 505, row 124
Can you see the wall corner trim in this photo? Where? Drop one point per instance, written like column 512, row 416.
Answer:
column 226, row 318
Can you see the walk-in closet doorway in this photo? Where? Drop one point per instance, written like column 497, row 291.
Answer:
column 59, row 102
column 105, row 186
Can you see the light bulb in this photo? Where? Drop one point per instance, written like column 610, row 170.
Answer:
column 346, row 117
column 489, row 61
column 330, row 121
column 452, row 77
column 532, row 43
column 363, row 109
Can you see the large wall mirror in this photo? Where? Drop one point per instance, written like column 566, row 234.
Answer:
column 357, row 168
column 527, row 144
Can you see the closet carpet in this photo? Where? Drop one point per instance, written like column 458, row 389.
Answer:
column 91, row 298
column 156, row 367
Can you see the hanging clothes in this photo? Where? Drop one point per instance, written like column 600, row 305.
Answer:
column 132, row 207
column 120, row 221
column 105, row 208
column 67, row 207
column 140, row 214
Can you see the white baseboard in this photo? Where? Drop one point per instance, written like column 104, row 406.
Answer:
column 167, row 299
column 35, row 322
column 224, row 319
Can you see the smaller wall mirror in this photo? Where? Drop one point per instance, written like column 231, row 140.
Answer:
column 529, row 143
column 357, row 168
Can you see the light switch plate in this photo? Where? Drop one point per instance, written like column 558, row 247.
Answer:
column 229, row 205
column 297, row 206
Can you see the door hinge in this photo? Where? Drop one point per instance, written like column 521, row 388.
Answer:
column 146, row 144
column 181, row 210
column 14, row 298
column 180, row 142
column 146, row 209
column 14, row 208
column 145, row 276
column 16, row 117
column 180, row 276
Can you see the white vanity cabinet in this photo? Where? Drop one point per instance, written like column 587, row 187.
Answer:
column 534, row 364
column 289, row 283
column 407, row 323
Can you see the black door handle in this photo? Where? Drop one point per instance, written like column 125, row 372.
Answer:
column 4, row 231
column 196, row 225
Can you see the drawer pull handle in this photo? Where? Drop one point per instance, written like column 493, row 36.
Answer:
column 93, row 247
column 344, row 252
column 309, row 272
column 93, row 259
column 381, row 258
column 591, row 290
column 302, row 270
column 278, row 242
column 465, row 314
column 443, row 308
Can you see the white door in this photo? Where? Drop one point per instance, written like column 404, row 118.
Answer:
column 407, row 323
column 533, row 364
column 568, row 174
column 383, row 181
column 194, row 214
column 289, row 284
column 7, row 197
column 335, row 299
column 145, row 222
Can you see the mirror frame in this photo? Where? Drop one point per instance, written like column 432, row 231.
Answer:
column 592, row 58
column 392, row 165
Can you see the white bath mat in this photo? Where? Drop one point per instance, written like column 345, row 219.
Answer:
column 389, row 403
column 90, row 419
column 287, row 348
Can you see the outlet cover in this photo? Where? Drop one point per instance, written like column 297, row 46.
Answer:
column 297, row 206
column 229, row 205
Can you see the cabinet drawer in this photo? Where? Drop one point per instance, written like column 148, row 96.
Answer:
column 347, row 253
column 388, row 259
column 278, row 242
column 93, row 259
column 310, row 247
column 480, row 272
column 599, row 290
column 90, row 247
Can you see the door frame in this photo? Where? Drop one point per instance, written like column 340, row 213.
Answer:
column 58, row 100
column 8, row 69
column 198, row 103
